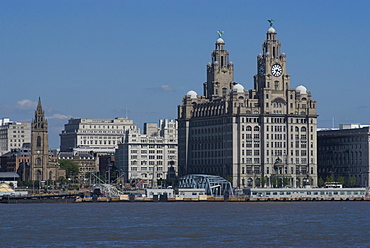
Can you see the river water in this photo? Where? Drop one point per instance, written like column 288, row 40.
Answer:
column 186, row 224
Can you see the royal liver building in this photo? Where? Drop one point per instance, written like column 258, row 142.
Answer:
column 263, row 137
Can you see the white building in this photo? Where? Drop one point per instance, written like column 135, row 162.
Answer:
column 13, row 134
column 94, row 134
column 154, row 152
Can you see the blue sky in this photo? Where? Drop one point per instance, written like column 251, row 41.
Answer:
column 103, row 59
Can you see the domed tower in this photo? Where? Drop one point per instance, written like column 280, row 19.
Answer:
column 271, row 65
column 220, row 72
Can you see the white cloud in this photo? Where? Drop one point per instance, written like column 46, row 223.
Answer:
column 59, row 116
column 26, row 104
column 167, row 88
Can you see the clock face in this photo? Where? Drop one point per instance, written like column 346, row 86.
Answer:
column 276, row 70
column 261, row 70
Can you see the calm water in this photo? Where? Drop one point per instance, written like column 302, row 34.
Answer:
column 208, row 224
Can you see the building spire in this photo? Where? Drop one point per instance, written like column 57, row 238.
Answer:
column 40, row 120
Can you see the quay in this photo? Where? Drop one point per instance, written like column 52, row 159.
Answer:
column 107, row 193
column 163, row 198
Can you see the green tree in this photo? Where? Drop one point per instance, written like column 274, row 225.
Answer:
column 352, row 181
column 275, row 182
column 263, row 181
column 70, row 167
column 341, row 180
column 329, row 179
column 286, row 181
column 267, row 181
column 321, row 182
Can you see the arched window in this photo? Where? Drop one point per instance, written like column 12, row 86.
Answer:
column 38, row 141
column 38, row 175
column 38, row 161
column 297, row 129
column 256, row 129
column 303, row 129
column 249, row 128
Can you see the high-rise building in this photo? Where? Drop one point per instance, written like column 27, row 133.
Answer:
column 97, row 135
column 263, row 137
column 149, row 158
column 13, row 134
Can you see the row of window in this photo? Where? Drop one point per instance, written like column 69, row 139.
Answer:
column 146, row 168
column 150, row 157
column 299, row 169
column 257, row 160
column 339, row 148
column 152, row 146
column 150, row 151
column 98, row 142
column 108, row 127
column 275, row 128
column 156, row 162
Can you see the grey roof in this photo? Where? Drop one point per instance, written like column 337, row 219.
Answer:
column 8, row 175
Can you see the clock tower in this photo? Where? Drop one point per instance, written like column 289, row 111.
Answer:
column 271, row 78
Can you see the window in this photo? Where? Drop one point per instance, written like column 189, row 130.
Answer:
column 38, row 141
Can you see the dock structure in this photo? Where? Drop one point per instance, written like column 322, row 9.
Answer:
column 213, row 185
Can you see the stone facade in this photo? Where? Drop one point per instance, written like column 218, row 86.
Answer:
column 87, row 162
column 154, row 152
column 13, row 134
column 343, row 155
column 43, row 167
column 95, row 135
column 263, row 137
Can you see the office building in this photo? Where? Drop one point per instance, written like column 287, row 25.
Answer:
column 13, row 134
column 97, row 135
column 343, row 155
column 150, row 158
column 263, row 137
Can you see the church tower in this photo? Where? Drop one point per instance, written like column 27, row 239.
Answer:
column 39, row 145
column 220, row 72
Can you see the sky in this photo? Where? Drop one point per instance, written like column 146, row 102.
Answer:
column 137, row 59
